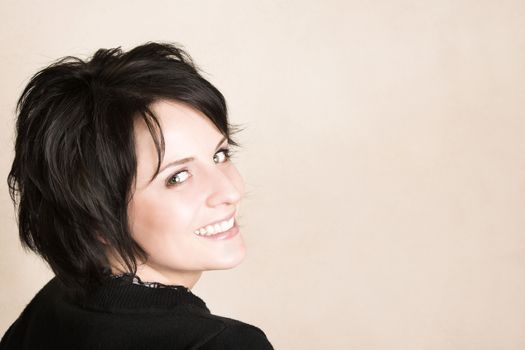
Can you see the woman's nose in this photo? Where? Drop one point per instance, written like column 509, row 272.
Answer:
column 225, row 187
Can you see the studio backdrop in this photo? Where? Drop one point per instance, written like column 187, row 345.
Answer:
column 383, row 153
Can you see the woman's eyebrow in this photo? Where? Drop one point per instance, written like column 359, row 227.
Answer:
column 186, row 160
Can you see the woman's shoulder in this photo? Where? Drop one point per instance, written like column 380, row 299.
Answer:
column 189, row 322
column 237, row 335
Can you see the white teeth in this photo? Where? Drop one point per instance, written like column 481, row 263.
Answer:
column 217, row 228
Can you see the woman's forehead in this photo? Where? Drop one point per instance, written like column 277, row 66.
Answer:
column 178, row 121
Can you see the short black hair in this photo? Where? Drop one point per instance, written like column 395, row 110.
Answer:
column 75, row 161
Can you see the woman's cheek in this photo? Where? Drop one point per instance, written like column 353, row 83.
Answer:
column 147, row 214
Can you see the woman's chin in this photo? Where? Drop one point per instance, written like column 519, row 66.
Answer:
column 229, row 261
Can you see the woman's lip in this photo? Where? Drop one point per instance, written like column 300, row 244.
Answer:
column 224, row 235
column 218, row 221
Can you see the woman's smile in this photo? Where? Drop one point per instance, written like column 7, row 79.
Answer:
column 217, row 226
column 231, row 231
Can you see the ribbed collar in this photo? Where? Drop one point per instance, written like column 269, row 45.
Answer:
column 122, row 295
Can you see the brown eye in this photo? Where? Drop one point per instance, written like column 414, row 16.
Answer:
column 225, row 155
column 178, row 178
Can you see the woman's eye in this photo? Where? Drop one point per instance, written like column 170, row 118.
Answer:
column 223, row 155
column 178, row 178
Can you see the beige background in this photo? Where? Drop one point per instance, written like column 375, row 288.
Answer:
column 384, row 154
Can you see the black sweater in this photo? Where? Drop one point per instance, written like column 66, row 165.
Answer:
column 124, row 315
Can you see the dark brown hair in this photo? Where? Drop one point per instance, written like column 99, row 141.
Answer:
column 75, row 163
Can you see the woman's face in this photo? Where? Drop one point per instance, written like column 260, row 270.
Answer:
column 183, row 198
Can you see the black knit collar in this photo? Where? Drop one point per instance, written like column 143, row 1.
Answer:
column 130, row 278
column 126, row 293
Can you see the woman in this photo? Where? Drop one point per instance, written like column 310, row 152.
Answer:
column 124, row 185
